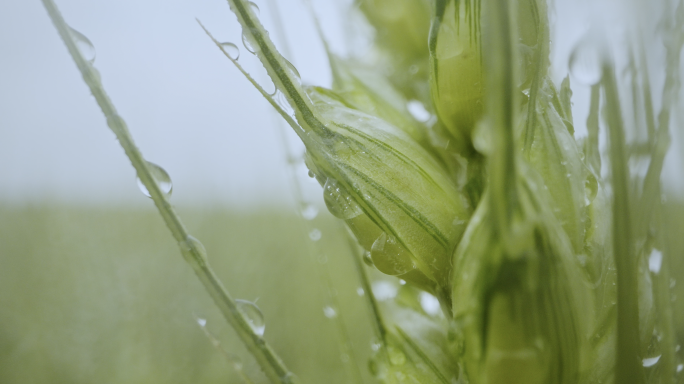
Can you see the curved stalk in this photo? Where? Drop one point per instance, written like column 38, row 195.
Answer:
column 192, row 250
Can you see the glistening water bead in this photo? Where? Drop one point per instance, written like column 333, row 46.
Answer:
column 84, row 45
column 231, row 49
column 390, row 257
column 161, row 177
column 339, row 202
column 252, row 314
column 586, row 61
column 192, row 248
column 248, row 45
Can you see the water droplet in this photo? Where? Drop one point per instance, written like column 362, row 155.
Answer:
column 193, row 249
column 402, row 282
column 329, row 312
column 586, row 61
column 288, row 378
column 384, row 290
column 281, row 100
column 252, row 315
column 293, row 70
column 201, row 322
column 248, row 45
column 116, row 123
column 390, row 257
column 161, row 177
column 309, row 212
column 360, row 291
column 311, row 174
column 376, row 345
column 255, row 8
column 418, row 111
column 367, row 259
column 339, row 202
column 396, row 356
column 680, row 368
column 413, row 69
column 651, row 361
column 430, row 304
column 655, row 260
column 84, row 45
column 231, row 50
column 315, row 234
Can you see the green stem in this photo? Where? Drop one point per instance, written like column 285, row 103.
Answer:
column 285, row 81
column 628, row 369
column 500, row 82
column 192, row 250
column 541, row 63
column 593, row 154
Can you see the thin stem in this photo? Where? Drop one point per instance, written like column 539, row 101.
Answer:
column 380, row 327
column 233, row 360
column 593, row 154
column 500, row 80
column 628, row 369
column 540, row 65
column 426, row 360
column 192, row 250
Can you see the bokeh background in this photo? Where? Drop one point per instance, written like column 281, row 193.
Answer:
column 92, row 286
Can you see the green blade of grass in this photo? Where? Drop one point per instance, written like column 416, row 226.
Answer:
column 192, row 250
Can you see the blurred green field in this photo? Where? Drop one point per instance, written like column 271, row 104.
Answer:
column 103, row 295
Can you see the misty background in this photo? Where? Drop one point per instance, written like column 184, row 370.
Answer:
column 188, row 108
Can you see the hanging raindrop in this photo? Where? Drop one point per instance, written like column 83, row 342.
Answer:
column 231, row 50
column 191, row 244
column 252, row 315
column 255, row 8
column 586, row 62
column 161, row 177
column 339, row 202
column 281, row 100
column 248, row 45
column 293, row 70
column 651, row 361
column 390, row 257
column 655, row 260
column 367, row 259
column 84, row 45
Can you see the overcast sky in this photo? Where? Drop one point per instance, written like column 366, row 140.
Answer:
column 188, row 109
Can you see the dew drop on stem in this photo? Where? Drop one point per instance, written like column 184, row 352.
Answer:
column 282, row 101
column 339, row 202
column 586, row 61
column 231, row 49
column 161, row 177
column 193, row 249
column 293, row 70
column 367, row 259
column 651, row 361
column 84, row 45
column 390, row 257
column 252, row 314
column 248, row 45
column 255, row 8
